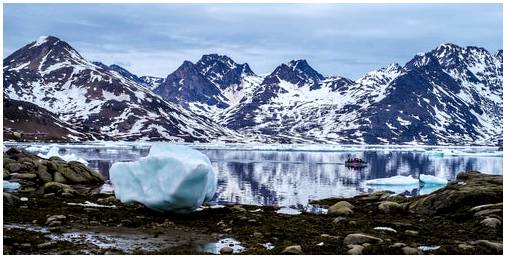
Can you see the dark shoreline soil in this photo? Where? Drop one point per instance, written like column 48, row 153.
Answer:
column 455, row 232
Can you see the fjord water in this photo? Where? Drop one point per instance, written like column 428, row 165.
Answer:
column 292, row 175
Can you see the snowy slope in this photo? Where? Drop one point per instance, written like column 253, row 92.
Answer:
column 54, row 76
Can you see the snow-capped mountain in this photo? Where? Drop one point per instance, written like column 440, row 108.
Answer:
column 52, row 75
column 209, row 86
column 151, row 82
column 449, row 95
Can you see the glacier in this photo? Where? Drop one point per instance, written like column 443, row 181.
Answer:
column 172, row 178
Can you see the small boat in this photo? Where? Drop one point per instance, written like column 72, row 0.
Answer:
column 355, row 163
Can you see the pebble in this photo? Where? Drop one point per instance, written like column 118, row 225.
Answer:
column 293, row 249
column 411, row 232
column 23, row 199
column 397, row 245
column 339, row 219
column 410, row 250
column 355, row 249
column 354, row 239
column 226, row 250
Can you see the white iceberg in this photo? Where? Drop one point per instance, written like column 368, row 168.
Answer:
column 432, row 180
column 171, row 178
column 55, row 152
column 394, row 180
column 41, row 148
column 11, row 185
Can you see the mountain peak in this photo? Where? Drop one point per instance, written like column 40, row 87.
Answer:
column 297, row 72
column 221, row 70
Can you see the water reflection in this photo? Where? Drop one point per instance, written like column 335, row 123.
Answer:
column 293, row 178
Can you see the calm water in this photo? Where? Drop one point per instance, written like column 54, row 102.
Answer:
column 290, row 176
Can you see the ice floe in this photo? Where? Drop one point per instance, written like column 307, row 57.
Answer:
column 55, row 152
column 11, row 185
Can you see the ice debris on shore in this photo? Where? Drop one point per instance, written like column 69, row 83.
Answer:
column 11, row 185
column 432, row 180
column 55, row 152
column 171, row 178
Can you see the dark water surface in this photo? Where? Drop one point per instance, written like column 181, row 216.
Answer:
column 291, row 176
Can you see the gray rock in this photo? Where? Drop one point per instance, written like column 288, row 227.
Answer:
column 43, row 174
column 486, row 207
column 491, row 223
column 478, row 187
column 46, row 244
column 496, row 247
column 226, row 250
column 388, row 206
column 341, row 211
column 14, row 167
column 410, row 250
column 24, row 176
column 466, row 247
column 238, row 208
column 358, row 239
column 411, row 232
column 55, row 218
column 293, row 249
column 397, row 245
column 355, row 249
column 339, row 219
column 57, row 177
column 10, row 199
column 487, row 212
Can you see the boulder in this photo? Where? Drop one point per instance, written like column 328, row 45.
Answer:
column 486, row 207
column 358, row 239
column 57, row 177
column 411, row 232
column 293, row 249
column 342, row 208
column 43, row 174
column 54, row 187
column 14, row 167
column 24, row 176
column 389, row 206
column 477, row 189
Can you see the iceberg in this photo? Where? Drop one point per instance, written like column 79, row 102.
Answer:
column 11, row 185
column 395, row 180
column 172, row 177
column 432, row 180
column 55, row 152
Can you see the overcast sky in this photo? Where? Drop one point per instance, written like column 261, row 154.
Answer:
column 336, row 39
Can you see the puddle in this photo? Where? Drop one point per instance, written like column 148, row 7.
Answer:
column 215, row 247
column 124, row 242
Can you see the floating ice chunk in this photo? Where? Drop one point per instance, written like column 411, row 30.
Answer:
column 428, row 248
column 429, row 188
column 43, row 148
column 432, row 180
column 55, row 152
column 395, row 180
column 171, row 178
column 11, row 185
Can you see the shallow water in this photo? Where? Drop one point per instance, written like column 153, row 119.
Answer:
column 292, row 175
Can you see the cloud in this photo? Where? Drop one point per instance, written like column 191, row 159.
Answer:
column 337, row 39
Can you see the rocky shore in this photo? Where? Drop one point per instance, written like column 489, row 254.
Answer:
column 58, row 210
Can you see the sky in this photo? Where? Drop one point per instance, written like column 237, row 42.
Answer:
column 336, row 39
